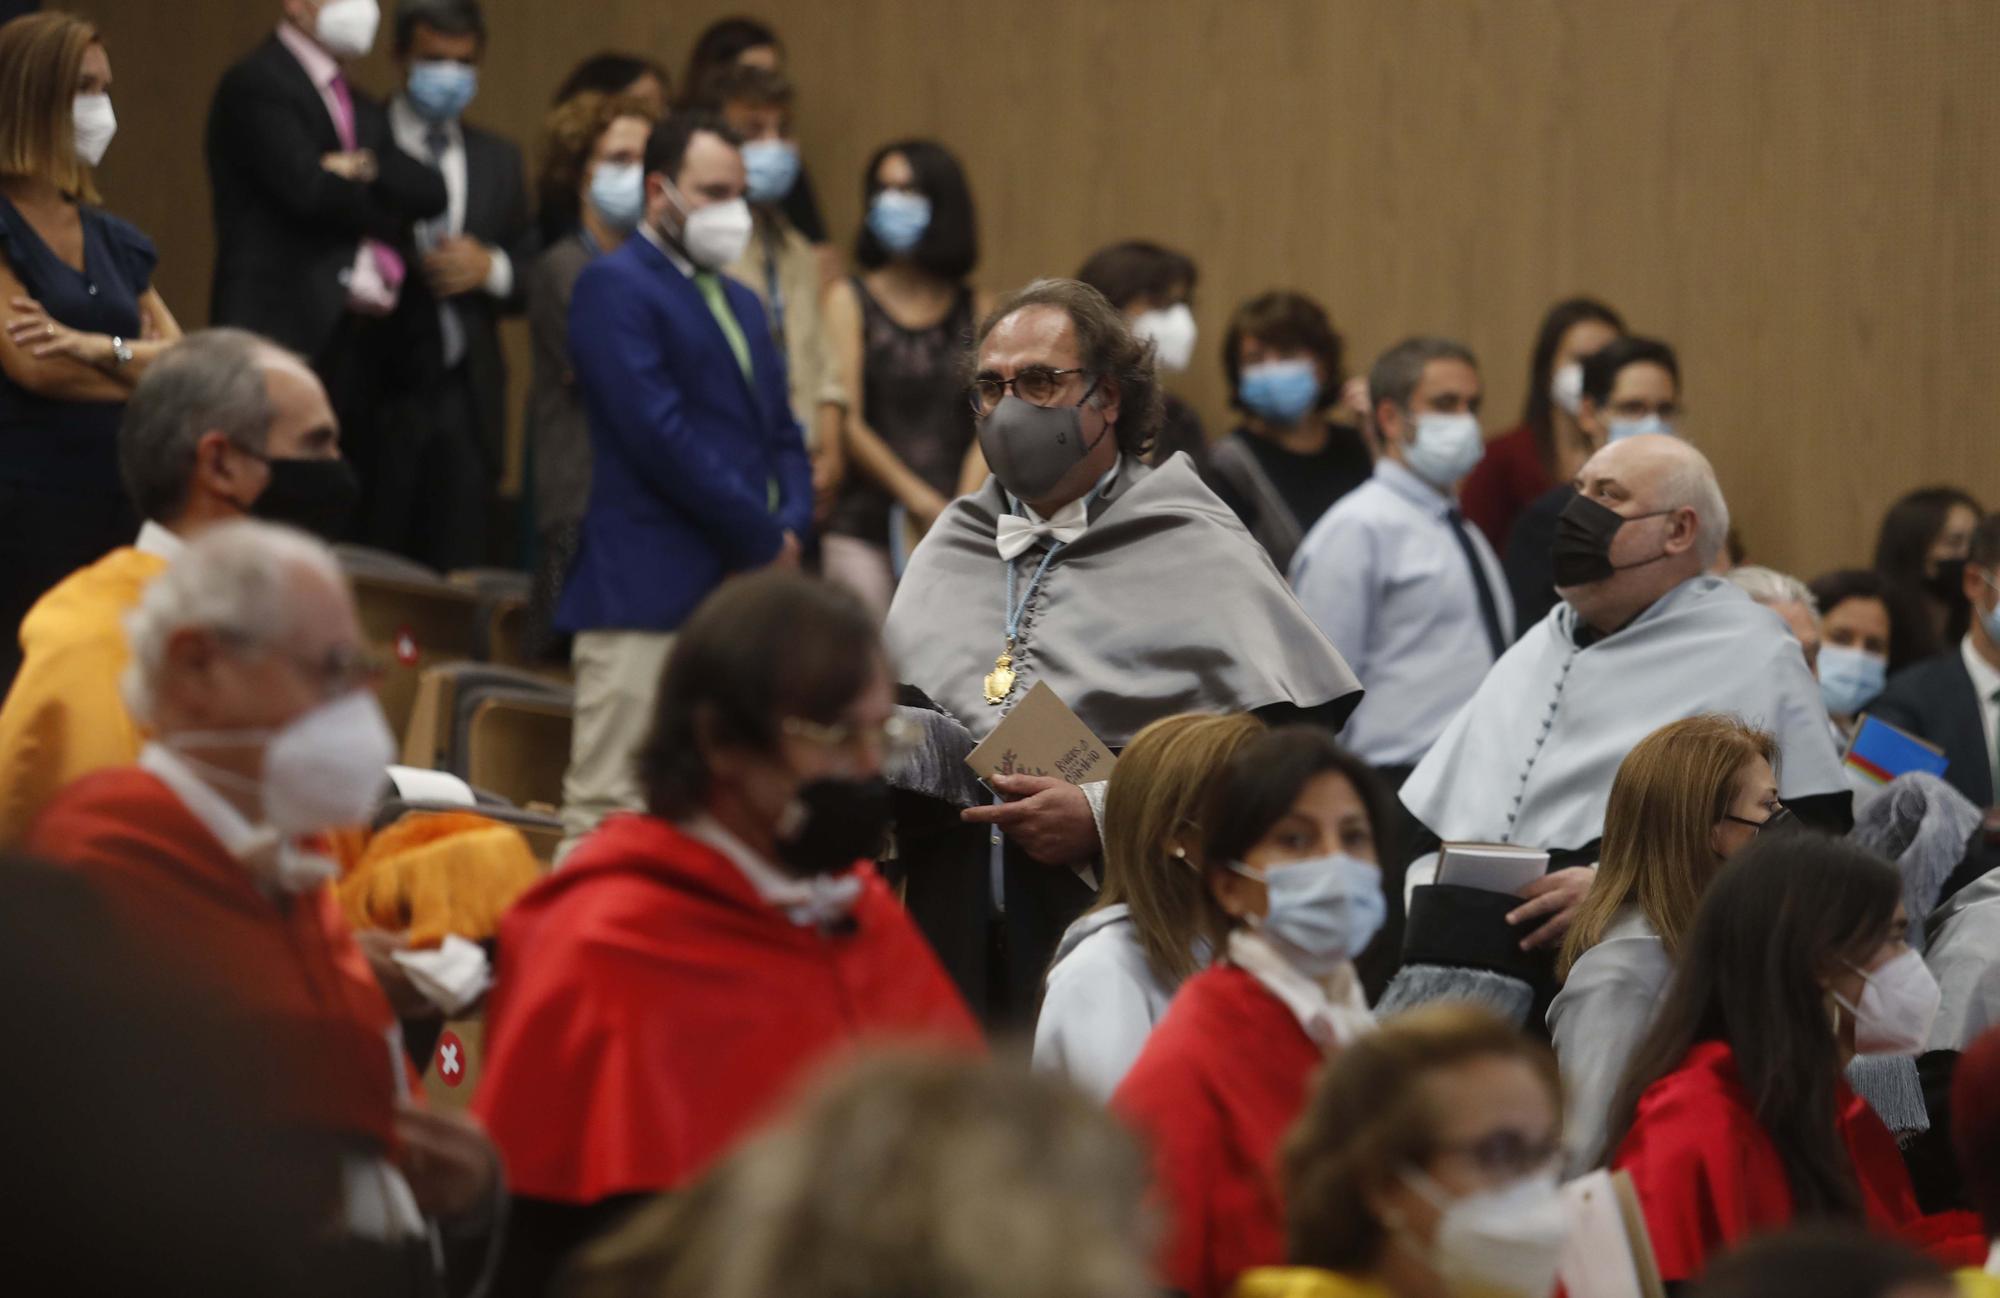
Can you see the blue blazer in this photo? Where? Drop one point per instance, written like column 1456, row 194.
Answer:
column 687, row 456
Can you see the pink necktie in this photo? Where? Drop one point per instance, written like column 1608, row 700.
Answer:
column 388, row 263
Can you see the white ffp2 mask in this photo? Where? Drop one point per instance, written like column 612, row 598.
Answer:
column 1172, row 333
column 95, row 123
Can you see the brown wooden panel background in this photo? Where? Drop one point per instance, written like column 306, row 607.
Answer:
column 1802, row 194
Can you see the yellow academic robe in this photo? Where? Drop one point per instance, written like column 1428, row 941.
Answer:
column 1978, row 1284
column 65, row 715
column 1305, row 1282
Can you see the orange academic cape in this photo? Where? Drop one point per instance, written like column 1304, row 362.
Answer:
column 1707, row 1176
column 1220, row 1081
column 651, row 1009
column 291, row 969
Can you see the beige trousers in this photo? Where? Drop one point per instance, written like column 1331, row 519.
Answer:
column 617, row 684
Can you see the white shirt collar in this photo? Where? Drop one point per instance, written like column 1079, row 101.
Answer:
column 276, row 866
column 1331, row 1013
column 653, row 236
column 805, row 902
column 1993, row 1260
column 158, row 542
column 1985, row 677
column 1400, row 479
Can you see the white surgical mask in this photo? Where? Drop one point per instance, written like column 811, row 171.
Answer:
column 717, row 234
column 1172, row 333
column 1566, row 387
column 1324, row 911
column 1899, row 1003
column 1445, row 448
column 1850, row 678
column 346, row 28
column 618, row 192
column 95, row 124
column 1504, row 1243
column 325, row 770
column 1624, row 428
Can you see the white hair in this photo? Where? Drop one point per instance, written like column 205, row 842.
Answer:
column 1772, row 588
column 1688, row 482
column 239, row 577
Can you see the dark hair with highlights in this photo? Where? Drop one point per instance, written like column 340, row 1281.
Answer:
column 1105, row 346
column 1288, row 322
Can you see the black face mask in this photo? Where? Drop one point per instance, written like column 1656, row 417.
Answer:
column 317, row 496
column 845, row 821
column 1582, row 549
column 1948, row 582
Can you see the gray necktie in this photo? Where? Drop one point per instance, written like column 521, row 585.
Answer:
column 436, row 231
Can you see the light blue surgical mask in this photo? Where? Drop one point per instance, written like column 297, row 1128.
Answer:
column 441, row 89
column 618, row 192
column 898, row 219
column 1282, row 392
column 770, row 169
column 1624, row 428
column 1445, row 448
column 1850, row 678
column 1324, row 911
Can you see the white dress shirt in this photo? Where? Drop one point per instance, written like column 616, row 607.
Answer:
column 158, row 542
column 1387, row 582
column 412, row 134
column 824, row 899
column 1332, row 1012
column 1985, row 684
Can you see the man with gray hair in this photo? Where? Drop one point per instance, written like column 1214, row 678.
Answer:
column 248, row 669
column 1643, row 636
column 1789, row 598
column 222, row 425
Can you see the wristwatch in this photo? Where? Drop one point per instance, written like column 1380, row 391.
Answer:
column 121, row 352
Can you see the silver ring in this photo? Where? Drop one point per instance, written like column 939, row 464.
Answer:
column 48, row 331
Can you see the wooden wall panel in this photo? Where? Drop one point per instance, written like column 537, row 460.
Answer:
column 1801, row 195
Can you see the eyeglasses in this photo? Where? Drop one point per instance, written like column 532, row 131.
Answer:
column 1781, row 817
column 342, row 669
column 1504, row 1155
column 1038, row 385
column 892, row 741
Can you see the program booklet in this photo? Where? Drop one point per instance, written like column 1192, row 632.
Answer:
column 1041, row 736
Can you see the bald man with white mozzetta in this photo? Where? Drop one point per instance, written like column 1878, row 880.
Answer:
column 1643, row 636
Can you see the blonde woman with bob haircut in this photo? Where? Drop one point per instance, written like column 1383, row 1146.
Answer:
column 1154, row 923
column 1692, row 795
column 1425, row 1166
column 82, row 320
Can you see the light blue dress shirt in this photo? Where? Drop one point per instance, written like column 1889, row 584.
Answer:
column 1387, row 582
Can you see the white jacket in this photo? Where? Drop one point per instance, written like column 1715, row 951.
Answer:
column 1101, row 1004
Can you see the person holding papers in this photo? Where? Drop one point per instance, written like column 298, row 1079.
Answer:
column 1132, row 592
column 1425, row 1167
column 1292, row 834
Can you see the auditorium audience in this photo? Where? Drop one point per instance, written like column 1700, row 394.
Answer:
column 1921, row 551
column 1824, row 1261
column 1857, row 632
column 1548, row 446
column 1288, row 461
column 780, row 266
column 1409, row 593
column 698, row 470
column 249, row 673
column 898, row 331
column 315, row 226
column 745, row 42
column 443, row 508
column 1789, row 598
column 1975, row 1129
column 1642, row 637
column 1154, row 287
column 224, row 425
column 1688, row 798
column 1291, row 835
column 593, row 154
column 667, row 989
column 1630, row 386
column 1952, row 699
column 83, row 318
column 1153, row 924
column 1734, row 1117
column 1424, row 1166
column 1071, row 567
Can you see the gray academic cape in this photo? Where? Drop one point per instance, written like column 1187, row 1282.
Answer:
column 1164, row 605
column 1531, row 758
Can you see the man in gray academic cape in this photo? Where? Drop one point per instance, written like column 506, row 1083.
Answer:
column 1643, row 636
column 1133, row 593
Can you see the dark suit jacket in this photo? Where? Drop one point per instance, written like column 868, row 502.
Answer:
column 286, row 228
column 1934, row 700
column 685, row 452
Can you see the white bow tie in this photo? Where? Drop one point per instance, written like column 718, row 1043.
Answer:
column 1016, row 535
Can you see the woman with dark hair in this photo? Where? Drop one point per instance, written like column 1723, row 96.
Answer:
column 1288, row 461
column 1735, row 1117
column 1154, row 287
column 1862, row 641
column 1920, row 552
column 1547, row 447
column 614, row 73
column 1292, row 832
column 745, row 42
column 898, row 331
column 688, row 967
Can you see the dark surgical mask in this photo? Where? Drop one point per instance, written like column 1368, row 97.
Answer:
column 316, row 496
column 1030, row 448
column 832, row 823
column 1584, row 533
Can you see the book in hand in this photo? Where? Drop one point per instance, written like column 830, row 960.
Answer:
column 1608, row 1253
column 1496, row 867
column 1880, row 752
column 1041, row 736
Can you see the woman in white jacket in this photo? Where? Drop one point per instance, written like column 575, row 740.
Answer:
column 1118, row 966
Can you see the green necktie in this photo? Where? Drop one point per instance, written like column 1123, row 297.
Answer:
column 718, row 306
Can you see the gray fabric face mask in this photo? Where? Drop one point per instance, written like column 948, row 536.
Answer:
column 1030, row 447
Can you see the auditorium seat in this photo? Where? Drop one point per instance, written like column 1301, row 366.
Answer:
column 517, row 745
column 413, row 622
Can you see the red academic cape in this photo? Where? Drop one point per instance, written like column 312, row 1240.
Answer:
column 1707, row 1176
column 290, row 969
column 1221, row 1079
column 651, row 1009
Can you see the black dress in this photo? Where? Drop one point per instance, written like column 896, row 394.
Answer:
column 61, row 502
column 1280, row 494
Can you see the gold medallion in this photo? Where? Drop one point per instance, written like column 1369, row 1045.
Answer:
column 1000, row 681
